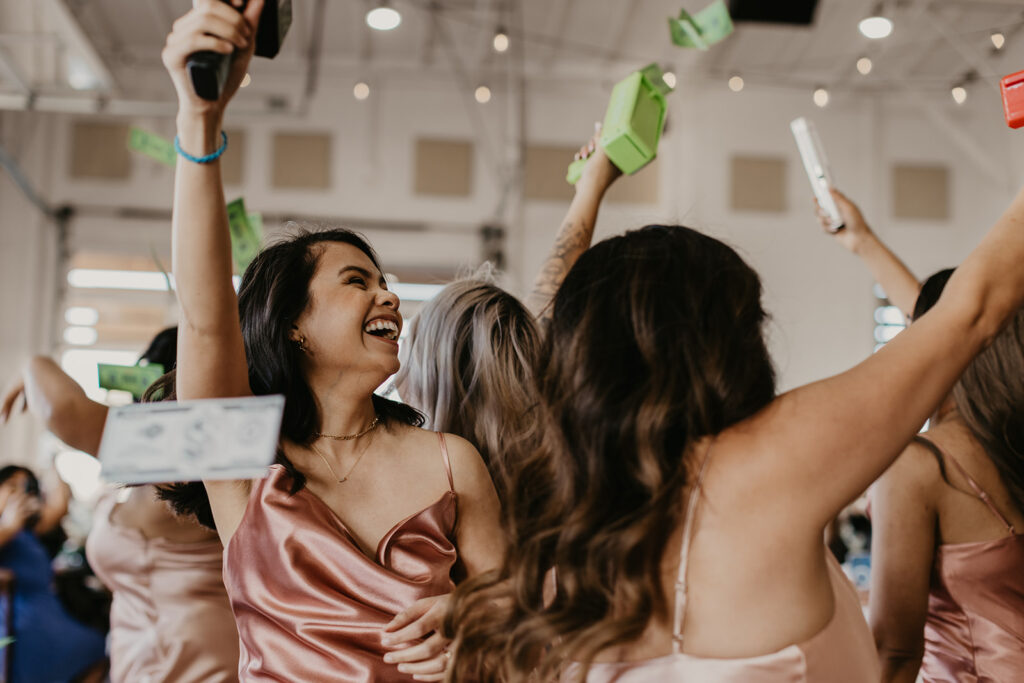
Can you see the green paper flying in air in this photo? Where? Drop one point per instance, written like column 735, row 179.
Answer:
column 134, row 379
column 153, row 146
column 702, row 30
column 245, row 240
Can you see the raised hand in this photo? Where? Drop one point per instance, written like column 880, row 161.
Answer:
column 215, row 26
column 855, row 232
column 599, row 172
column 426, row 660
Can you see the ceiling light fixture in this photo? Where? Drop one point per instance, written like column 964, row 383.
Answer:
column 383, row 18
column 998, row 40
column 736, row 83
column 482, row 94
column 80, row 336
column 821, row 97
column 245, row 81
column 81, row 316
column 865, row 65
column 501, row 41
column 670, row 78
column 876, row 26
column 361, row 90
column 959, row 94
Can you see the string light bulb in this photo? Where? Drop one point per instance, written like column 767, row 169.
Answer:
column 361, row 90
column 865, row 65
column 670, row 79
column 736, row 83
column 500, row 41
column 821, row 97
column 383, row 18
column 876, row 26
column 998, row 40
column 482, row 94
column 959, row 94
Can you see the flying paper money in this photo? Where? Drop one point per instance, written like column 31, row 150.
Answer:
column 153, row 146
column 245, row 241
column 134, row 379
column 702, row 30
column 224, row 438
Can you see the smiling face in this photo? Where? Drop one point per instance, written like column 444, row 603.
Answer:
column 351, row 324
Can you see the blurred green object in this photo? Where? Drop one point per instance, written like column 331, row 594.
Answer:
column 134, row 379
column 246, row 241
column 153, row 146
column 709, row 26
column 633, row 122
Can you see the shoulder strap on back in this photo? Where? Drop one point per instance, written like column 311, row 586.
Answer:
column 679, row 619
column 447, row 462
column 978, row 491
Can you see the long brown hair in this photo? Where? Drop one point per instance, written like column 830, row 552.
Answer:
column 655, row 341
column 470, row 367
column 990, row 393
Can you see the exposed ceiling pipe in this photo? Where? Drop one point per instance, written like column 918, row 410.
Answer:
column 314, row 56
column 75, row 39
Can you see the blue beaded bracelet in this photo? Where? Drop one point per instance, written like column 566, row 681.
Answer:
column 204, row 159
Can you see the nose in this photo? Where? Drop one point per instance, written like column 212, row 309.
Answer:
column 388, row 299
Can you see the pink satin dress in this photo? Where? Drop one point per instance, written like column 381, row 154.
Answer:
column 170, row 620
column 309, row 603
column 974, row 632
column 842, row 652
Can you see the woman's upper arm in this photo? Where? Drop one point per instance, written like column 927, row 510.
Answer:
column 480, row 538
column 903, row 545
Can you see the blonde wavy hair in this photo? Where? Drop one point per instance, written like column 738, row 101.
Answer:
column 469, row 369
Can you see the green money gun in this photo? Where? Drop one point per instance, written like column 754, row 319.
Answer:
column 633, row 122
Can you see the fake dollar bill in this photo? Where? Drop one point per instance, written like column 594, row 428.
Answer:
column 223, row 438
column 134, row 379
column 152, row 145
column 703, row 29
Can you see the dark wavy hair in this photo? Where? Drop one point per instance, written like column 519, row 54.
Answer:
column 990, row 393
column 273, row 294
column 31, row 488
column 656, row 341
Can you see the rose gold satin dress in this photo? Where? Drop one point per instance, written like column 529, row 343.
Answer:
column 975, row 627
column 309, row 603
column 842, row 652
column 170, row 620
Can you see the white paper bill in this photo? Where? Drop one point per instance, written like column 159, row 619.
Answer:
column 224, row 438
column 813, row 155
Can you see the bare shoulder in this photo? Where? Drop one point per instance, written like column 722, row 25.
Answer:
column 468, row 469
column 916, row 468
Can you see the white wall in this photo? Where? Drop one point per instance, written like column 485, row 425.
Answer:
column 819, row 296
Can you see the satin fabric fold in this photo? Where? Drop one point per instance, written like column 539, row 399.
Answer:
column 309, row 604
column 170, row 620
column 975, row 627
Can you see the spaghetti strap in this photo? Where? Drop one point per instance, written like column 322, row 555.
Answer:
column 447, row 462
column 978, row 491
column 679, row 619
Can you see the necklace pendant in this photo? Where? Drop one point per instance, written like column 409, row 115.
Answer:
column 342, row 481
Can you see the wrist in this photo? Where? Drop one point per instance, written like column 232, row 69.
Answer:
column 199, row 132
column 865, row 242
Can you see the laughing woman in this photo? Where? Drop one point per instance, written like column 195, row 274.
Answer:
column 364, row 513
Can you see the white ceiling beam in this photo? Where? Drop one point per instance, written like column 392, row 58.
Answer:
column 66, row 26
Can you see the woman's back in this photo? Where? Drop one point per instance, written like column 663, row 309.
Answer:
column 975, row 622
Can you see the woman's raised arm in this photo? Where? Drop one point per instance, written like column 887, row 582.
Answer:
column 816, row 448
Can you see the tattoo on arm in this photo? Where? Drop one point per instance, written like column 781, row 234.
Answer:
column 574, row 238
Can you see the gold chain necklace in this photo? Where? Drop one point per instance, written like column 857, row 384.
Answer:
column 344, row 437
column 350, row 437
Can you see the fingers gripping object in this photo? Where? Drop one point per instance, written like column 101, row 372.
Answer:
column 1012, row 88
column 209, row 70
column 633, row 122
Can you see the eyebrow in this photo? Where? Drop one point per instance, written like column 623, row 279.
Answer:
column 364, row 272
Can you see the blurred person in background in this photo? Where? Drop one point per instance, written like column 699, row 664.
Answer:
column 170, row 619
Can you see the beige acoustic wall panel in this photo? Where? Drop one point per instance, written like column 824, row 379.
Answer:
column 302, row 161
column 920, row 192
column 545, row 171
column 758, row 184
column 444, row 167
column 100, row 150
column 233, row 161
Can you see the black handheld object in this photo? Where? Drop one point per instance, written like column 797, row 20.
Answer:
column 209, row 70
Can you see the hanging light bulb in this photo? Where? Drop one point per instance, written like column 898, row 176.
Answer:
column 246, row 80
column 959, row 94
column 736, row 83
column 876, row 26
column 670, row 78
column 821, row 97
column 998, row 40
column 865, row 65
column 500, row 41
column 361, row 90
column 383, row 18
column 482, row 94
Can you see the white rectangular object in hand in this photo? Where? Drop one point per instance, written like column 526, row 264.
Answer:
column 813, row 155
column 168, row 441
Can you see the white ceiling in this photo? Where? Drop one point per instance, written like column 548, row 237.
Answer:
column 935, row 44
